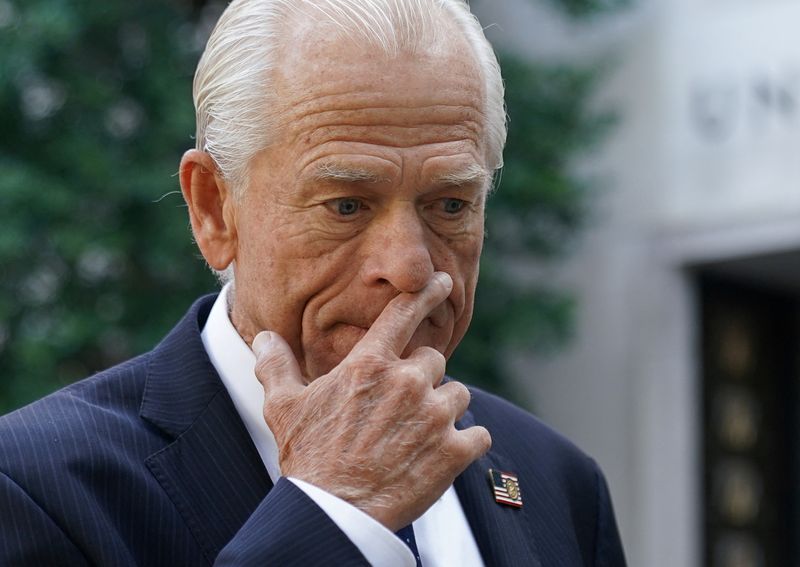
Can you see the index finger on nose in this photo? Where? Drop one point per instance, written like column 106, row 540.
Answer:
column 398, row 321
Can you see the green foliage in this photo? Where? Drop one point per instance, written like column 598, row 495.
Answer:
column 97, row 257
column 583, row 9
column 534, row 215
column 96, row 106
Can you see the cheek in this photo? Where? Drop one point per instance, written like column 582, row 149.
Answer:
column 465, row 258
column 461, row 258
column 275, row 275
column 465, row 246
column 284, row 242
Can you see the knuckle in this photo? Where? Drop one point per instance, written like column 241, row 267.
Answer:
column 456, row 451
column 410, row 379
column 470, row 444
column 440, row 417
column 267, row 365
column 435, row 359
column 431, row 361
column 367, row 365
column 461, row 394
column 483, row 439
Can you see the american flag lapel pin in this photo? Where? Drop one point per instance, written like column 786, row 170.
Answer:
column 505, row 486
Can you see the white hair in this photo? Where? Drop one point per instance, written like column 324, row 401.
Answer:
column 235, row 103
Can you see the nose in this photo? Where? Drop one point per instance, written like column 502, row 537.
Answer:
column 399, row 253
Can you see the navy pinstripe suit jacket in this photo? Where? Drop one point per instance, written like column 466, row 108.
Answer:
column 149, row 464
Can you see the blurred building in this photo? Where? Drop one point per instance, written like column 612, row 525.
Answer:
column 682, row 376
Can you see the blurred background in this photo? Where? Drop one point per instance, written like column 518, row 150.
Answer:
column 681, row 372
column 641, row 282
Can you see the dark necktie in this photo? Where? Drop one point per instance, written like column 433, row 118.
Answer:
column 407, row 535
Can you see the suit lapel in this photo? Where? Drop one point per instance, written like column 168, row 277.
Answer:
column 211, row 471
column 503, row 533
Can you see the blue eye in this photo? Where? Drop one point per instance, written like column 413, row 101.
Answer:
column 348, row 206
column 453, row 206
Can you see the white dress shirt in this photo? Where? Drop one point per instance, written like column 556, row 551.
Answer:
column 443, row 535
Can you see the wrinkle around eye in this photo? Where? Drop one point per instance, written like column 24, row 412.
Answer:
column 346, row 209
column 453, row 225
column 439, row 208
column 348, row 206
column 462, row 204
column 321, row 235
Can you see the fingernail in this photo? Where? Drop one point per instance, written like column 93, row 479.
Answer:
column 445, row 279
column 261, row 342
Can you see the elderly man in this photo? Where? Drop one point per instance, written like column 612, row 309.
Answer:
column 345, row 149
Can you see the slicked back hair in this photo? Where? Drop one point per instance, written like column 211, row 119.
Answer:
column 233, row 98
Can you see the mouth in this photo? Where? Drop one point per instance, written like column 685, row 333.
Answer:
column 437, row 318
column 358, row 330
column 347, row 335
column 346, row 331
column 434, row 331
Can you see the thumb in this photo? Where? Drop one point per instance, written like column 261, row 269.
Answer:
column 276, row 366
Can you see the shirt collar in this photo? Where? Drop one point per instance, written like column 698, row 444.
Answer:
column 235, row 363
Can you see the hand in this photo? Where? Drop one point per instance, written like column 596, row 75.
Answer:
column 376, row 431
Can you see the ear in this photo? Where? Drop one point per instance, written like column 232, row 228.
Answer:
column 211, row 208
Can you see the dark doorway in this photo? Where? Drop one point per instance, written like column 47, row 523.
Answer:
column 750, row 338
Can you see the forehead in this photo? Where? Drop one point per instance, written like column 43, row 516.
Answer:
column 327, row 81
column 314, row 52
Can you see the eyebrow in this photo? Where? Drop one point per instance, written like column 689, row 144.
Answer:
column 473, row 174
column 346, row 174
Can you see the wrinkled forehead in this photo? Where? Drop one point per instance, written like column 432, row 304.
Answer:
column 323, row 66
column 345, row 92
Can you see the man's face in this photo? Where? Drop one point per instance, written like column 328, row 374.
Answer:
column 376, row 181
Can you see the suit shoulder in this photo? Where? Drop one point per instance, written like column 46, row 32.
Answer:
column 86, row 416
column 113, row 388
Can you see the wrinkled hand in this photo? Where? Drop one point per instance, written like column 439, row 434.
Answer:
column 376, row 431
